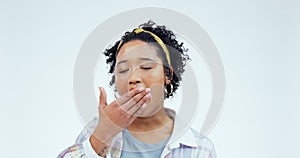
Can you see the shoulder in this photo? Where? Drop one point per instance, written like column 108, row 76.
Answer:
column 204, row 143
column 72, row 152
column 76, row 150
column 202, row 140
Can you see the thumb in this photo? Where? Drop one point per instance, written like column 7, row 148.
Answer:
column 102, row 98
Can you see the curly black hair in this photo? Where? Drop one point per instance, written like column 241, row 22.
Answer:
column 177, row 52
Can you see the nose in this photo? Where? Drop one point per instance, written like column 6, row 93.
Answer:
column 135, row 78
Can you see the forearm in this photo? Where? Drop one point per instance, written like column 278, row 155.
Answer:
column 101, row 147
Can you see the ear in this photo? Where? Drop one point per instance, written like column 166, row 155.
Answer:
column 169, row 76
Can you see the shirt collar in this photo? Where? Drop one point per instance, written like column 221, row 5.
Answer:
column 177, row 139
column 179, row 136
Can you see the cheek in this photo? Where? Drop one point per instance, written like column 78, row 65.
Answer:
column 149, row 78
column 156, row 77
column 121, row 85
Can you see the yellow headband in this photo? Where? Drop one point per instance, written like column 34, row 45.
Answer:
column 158, row 40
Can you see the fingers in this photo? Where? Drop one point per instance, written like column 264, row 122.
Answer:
column 140, row 108
column 135, row 99
column 102, row 98
column 138, row 102
column 122, row 115
column 126, row 97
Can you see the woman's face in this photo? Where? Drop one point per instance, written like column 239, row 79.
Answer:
column 138, row 65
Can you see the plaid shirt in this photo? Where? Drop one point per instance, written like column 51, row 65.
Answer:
column 189, row 145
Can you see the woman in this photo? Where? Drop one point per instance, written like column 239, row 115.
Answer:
column 147, row 66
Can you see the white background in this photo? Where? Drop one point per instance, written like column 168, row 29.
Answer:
column 257, row 40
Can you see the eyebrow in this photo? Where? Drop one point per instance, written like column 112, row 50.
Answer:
column 148, row 59
column 124, row 61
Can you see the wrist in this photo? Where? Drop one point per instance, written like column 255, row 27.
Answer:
column 103, row 136
column 105, row 133
column 100, row 147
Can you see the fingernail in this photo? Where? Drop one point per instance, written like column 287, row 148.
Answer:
column 141, row 89
column 148, row 95
column 144, row 106
column 147, row 90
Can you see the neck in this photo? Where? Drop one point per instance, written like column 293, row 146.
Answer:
column 155, row 122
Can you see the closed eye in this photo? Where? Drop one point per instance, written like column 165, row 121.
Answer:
column 146, row 68
column 123, row 71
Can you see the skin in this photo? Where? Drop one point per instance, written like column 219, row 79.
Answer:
column 140, row 81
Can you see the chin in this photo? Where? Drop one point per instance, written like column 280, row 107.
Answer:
column 149, row 111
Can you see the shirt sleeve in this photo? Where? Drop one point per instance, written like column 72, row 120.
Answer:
column 84, row 150
column 88, row 149
column 82, row 147
column 74, row 151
